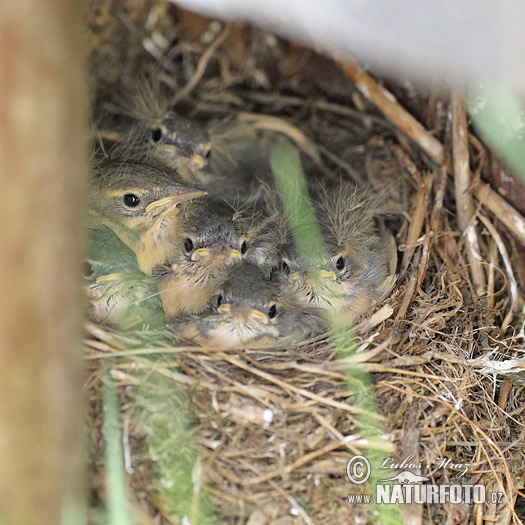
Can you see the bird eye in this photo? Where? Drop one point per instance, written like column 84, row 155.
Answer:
column 219, row 300
column 340, row 263
column 131, row 200
column 156, row 135
column 244, row 247
column 87, row 269
column 285, row 268
column 272, row 312
column 204, row 150
column 188, row 244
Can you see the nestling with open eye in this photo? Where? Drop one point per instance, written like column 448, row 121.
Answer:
column 178, row 142
column 359, row 269
column 251, row 310
column 211, row 237
column 226, row 157
column 118, row 293
column 140, row 204
column 234, row 163
column 142, row 119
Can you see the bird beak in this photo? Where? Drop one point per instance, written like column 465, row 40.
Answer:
column 323, row 274
column 170, row 148
column 110, row 277
column 296, row 276
column 198, row 161
column 202, row 253
column 244, row 313
column 202, row 151
column 174, row 151
column 181, row 195
column 224, row 308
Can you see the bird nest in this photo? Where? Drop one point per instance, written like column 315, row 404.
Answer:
column 263, row 436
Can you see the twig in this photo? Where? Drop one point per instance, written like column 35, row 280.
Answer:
column 491, row 281
column 514, row 221
column 407, row 299
column 416, row 221
column 301, row 512
column 354, row 174
column 462, row 181
column 377, row 318
column 279, row 125
column 303, row 460
column 434, row 223
column 504, row 394
column 201, row 66
column 387, row 103
column 301, row 391
column 513, row 285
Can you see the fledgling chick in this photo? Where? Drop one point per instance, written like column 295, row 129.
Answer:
column 175, row 141
column 142, row 119
column 118, row 293
column 226, row 157
column 140, row 204
column 211, row 237
column 234, row 169
column 359, row 269
column 251, row 310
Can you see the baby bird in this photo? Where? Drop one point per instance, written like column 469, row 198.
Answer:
column 140, row 204
column 175, row 141
column 211, row 237
column 251, row 310
column 359, row 268
column 118, row 293
column 142, row 119
column 226, row 158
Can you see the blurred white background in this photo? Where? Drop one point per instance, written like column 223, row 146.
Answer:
column 483, row 40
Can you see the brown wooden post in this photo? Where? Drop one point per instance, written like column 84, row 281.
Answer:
column 42, row 164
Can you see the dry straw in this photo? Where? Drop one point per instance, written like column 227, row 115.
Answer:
column 274, row 427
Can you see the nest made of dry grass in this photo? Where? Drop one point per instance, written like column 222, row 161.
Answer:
column 275, row 428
